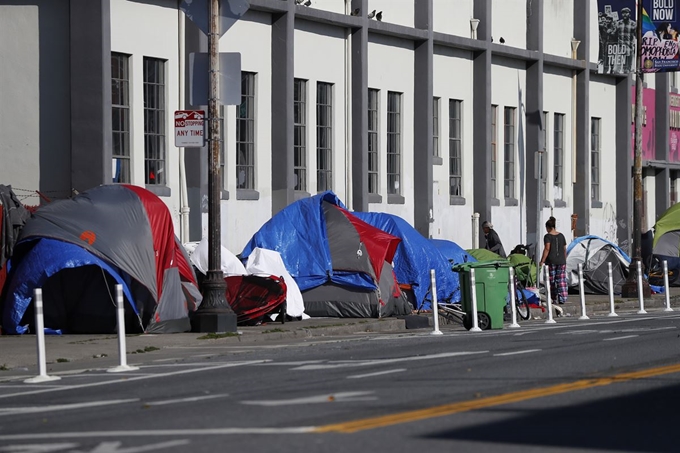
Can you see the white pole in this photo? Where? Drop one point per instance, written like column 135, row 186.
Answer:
column 582, row 293
column 121, row 334
column 475, row 230
column 666, row 286
column 611, row 291
column 641, row 311
column 40, row 340
column 513, row 299
column 473, row 290
column 435, row 308
column 546, row 275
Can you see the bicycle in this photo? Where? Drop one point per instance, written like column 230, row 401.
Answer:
column 523, row 279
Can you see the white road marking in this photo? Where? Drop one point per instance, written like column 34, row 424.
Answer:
column 37, row 448
column 332, row 398
column 61, row 407
column 159, row 433
column 170, row 359
column 621, row 338
column 186, row 400
column 124, row 379
column 525, row 351
column 377, row 373
column 20, row 378
column 302, row 362
column 443, row 355
column 103, row 447
column 112, row 447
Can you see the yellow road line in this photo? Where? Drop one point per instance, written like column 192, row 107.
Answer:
column 448, row 409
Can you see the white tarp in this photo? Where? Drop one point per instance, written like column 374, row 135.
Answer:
column 269, row 262
column 230, row 264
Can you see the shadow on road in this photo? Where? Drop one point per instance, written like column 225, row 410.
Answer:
column 645, row 421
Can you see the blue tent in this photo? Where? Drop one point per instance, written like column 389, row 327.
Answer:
column 415, row 256
column 452, row 251
column 321, row 242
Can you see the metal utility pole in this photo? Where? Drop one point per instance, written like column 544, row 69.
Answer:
column 629, row 288
column 215, row 313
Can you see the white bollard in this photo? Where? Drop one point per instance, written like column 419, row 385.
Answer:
column 120, row 301
column 473, row 291
column 40, row 340
column 611, row 291
column 582, row 293
column 641, row 298
column 513, row 299
column 546, row 275
column 435, row 308
column 666, row 286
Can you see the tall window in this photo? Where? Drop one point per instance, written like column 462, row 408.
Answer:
column 494, row 151
column 373, row 131
column 595, row 143
column 672, row 80
column 324, row 136
column 393, row 143
column 300, row 134
column 435, row 127
column 245, row 134
column 544, row 158
column 509, row 152
column 674, row 187
column 120, row 104
column 455, row 148
column 154, row 121
column 558, row 156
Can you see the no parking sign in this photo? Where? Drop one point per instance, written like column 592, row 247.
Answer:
column 189, row 128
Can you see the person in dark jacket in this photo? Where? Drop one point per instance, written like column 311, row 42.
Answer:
column 493, row 242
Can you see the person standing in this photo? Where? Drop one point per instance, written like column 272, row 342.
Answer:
column 493, row 241
column 555, row 257
column 626, row 29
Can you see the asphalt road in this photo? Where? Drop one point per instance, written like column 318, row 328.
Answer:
column 610, row 384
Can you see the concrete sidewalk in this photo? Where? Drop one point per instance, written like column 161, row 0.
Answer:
column 18, row 353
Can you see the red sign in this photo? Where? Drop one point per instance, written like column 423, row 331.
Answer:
column 189, row 128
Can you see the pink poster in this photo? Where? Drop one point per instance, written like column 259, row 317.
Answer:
column 673, row 152
column 648, row 122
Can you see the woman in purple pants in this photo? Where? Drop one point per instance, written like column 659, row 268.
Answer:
column 555, row 257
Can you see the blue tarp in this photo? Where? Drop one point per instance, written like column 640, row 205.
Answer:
column 415, row 256
column 452, row 251
column 46, row 258
column 298, row 233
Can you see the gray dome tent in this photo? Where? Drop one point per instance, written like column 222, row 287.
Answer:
column 594, row 253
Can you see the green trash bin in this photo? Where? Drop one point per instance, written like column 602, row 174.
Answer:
column 491, row 282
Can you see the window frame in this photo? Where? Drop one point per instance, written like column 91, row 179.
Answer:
column 436, row 151
column 509, row 145
column 595, row 159
column 373, row 141
column 394, row 142
column 245, row 146
column 494, row 151
column 455, row 148
column 155, row 134
column 324, row 136
column 120, row 117
column 300, row 134
column 558, row 156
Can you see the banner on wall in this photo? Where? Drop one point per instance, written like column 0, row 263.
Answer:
column 618, row 36
column 648, row 151
column 660, row 29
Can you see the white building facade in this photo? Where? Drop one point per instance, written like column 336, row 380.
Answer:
column 432, row 110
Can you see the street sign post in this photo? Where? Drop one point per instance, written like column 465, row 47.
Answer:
column 189, row 128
